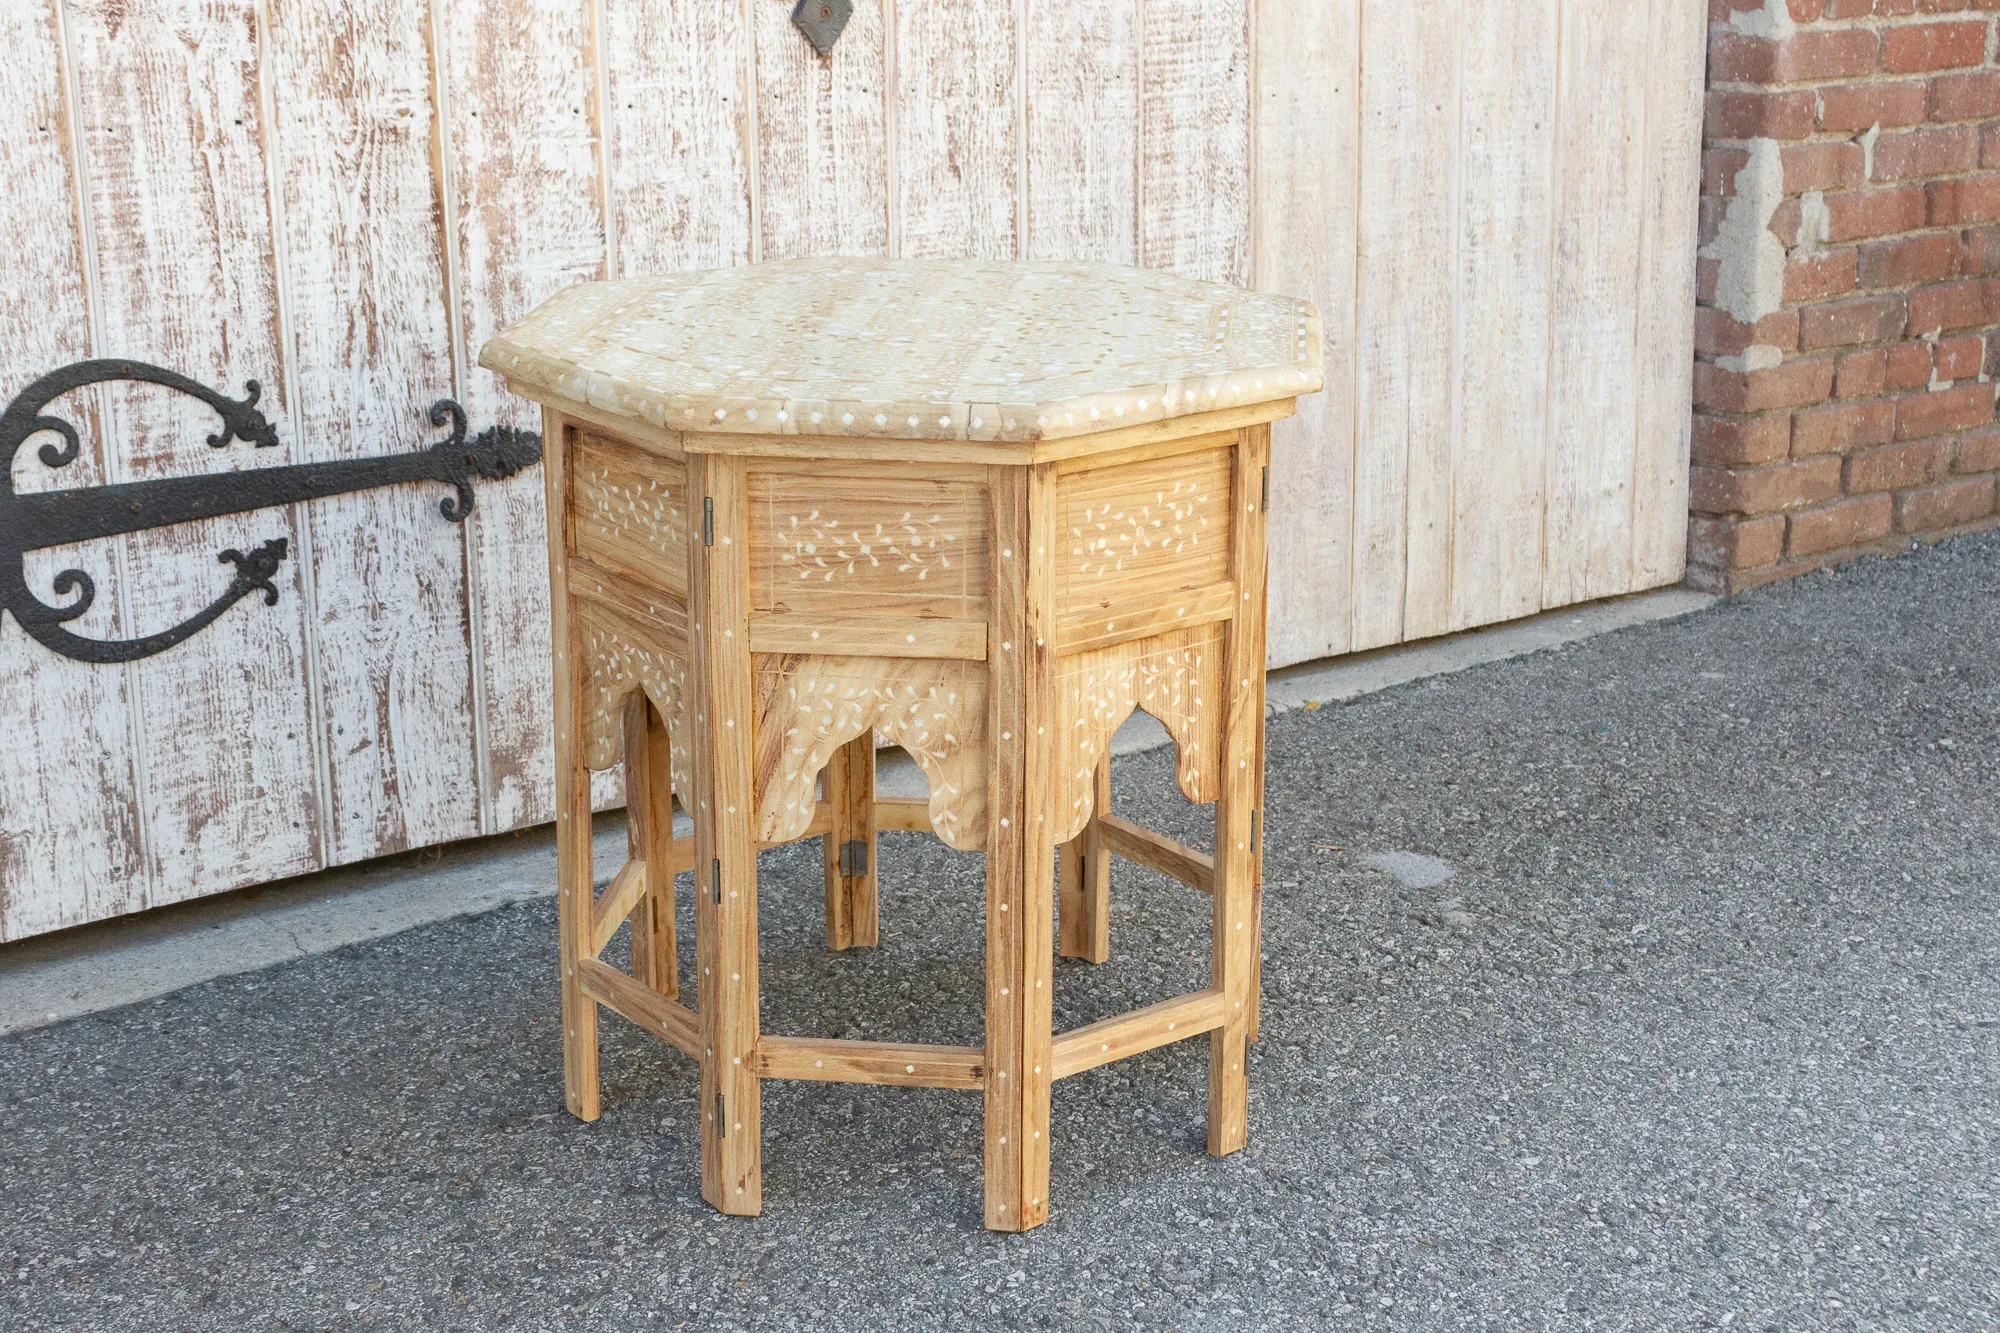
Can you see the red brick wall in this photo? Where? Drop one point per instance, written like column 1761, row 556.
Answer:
column 1849, row 283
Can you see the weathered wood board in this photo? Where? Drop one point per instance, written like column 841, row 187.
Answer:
column 1491, row 202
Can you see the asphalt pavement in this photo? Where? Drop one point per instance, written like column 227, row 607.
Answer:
column 1651, row 981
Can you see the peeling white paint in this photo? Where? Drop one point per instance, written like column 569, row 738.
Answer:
column 1774, row 20
column 1751, row 282
column 1757, row 356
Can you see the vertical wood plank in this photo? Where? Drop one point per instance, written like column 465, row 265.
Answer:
column 1019, row 852
column 1194, row 139
column 170, row 136
column 1403, row 310
column 1504, row 266
column 821, row 132
column 363, row 271
column 1676, row 65
column 1233, row 923
column 1306, row 75
column 518, row 154
column 575, row 880
column 677, row 133
column 954, row 147
column 71, row 843
column 725, row 845
column 1593, row 391
column 1082, row 94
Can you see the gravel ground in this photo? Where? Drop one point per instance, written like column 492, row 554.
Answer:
column 1701, row 1030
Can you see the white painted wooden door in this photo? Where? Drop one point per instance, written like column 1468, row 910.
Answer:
column 1491, row 200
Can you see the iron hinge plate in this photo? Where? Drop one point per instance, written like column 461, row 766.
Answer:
column 854, row 859
column 822, row 21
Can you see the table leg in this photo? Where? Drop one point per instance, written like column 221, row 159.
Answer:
column 1020, row 889
column 1085, row 873
column 575, row 898
column 851, row 912
column 725, row 841
column 1237, row 828
column 649, row 808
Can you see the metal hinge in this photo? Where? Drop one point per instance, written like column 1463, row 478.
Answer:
column 715, row 879
column 1266, row 502
column 1254, row 831
column 854, row 858
column 721, row 1118
column 707, row 520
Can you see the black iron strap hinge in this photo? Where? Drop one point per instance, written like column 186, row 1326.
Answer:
column 715, row 879
column 721, row 1117
column 43, row 518
column 1264, row 505
column 854, row 859
column 707, row 521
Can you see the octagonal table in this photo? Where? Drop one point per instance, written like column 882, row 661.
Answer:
column 985, row 509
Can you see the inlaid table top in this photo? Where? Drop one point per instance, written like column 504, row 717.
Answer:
column 910, row 349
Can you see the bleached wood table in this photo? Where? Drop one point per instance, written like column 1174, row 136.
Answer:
column 986, row 509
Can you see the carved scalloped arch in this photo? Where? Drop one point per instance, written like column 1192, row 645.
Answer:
column 621, row 658
column 809, row 706
column 1176, row 678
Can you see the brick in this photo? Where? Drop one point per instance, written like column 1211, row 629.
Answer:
column 1751, row 115
column 1982, row 250
column 1861, row 374
column 1741, row 441
column 1973, row 199
column 1838, row 526
column 1719, row 169
column 1966, row 96
column 1831, row 166
column 1794, row 384
column 1897, row 466
column 1923, row 47
column 1736, row 543
column 1902, row 263
column 1961, row 358
column 1920, row 153
column 1784, row 224
column 1845, row 53
column 1828, row 273
column 1978, row 451
column 1835, row 430
column 1865, row 319
column 1952, row 505
column 1865, row 213
column 1764, row 490
column 1716, row 334
column 1951, row 305
column 1909, row 366
column 1860, row 107
column 1961, row 408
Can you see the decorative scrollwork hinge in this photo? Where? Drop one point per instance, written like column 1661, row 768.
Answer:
column 39, row 519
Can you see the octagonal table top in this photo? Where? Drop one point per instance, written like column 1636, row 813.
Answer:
column 908, row 349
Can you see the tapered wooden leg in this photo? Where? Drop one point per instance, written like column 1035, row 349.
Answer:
column 725, row 843
column 574, row 894
column 851, row 914
column 1020, row 888
column 649, row 811
column 1085, row 883
column 1237, row 830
